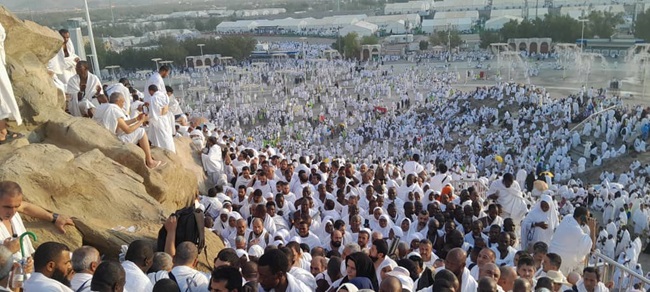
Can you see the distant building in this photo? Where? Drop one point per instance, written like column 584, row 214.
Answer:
column 418, row 7
column 361, row 28
column 609, row 47
column 531, row 45
column 497, row 23
column 458, row 20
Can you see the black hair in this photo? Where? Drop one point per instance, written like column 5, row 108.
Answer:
column 229, row 255
column 381, row 245
column 231, row 275
column 107, row 275
column 139, row 251
column 276, row 260
column 47, row 252
column 555, row 259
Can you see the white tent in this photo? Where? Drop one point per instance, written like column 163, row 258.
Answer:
column 427, row 25
column 498, row 22
column 519, row 12
column 408, row 7
column 290, row 24
column 577, row 12
column 398, row 24
column 458, row 20
column 508, row 4
column 237, row 26
column 459, row 5
column 361, row 28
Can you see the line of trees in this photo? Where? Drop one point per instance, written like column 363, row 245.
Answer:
column 560, row 28
column 642, row 24
column 238, row 47
column 445, row 38
column 349, row 46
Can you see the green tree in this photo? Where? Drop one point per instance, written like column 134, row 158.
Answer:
column 641, row 25
column 351, row 45
column 238, row 47
column 509, row 30
column 348, row 45
column 199, row 25
column 562, row 28
column 488, row 37
column 369, row 40
column 424, row 45
column 602, row 24
column 445, row 37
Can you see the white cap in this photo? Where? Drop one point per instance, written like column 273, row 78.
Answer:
column 404, row 276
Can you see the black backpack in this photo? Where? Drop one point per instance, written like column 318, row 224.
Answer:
column 191, row 227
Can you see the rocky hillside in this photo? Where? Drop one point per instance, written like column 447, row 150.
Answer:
column 74, row 166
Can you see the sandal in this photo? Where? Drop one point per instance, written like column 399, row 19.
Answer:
column 158, row 165
column 11, row 136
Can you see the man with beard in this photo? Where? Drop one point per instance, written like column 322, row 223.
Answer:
column 364, row 238
column 422, row 226
column 426, row 252
column 52, row 269
column 259, row 235
column 272, row 269
column 336, row 241
column 379, row 256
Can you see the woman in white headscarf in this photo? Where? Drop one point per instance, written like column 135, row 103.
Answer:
column 374, row 218
column 232, row 227
column 384, row 226
column 404, row 230
column 540, row 223
column 325, row 231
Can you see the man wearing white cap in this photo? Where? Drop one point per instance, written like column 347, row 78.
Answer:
column 403, row 275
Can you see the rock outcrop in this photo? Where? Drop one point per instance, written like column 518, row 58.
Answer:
column 74, row 166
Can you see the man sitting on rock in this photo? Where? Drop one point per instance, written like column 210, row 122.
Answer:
column 113, row 118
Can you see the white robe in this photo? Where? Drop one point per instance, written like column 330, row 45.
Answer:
column 62, row 66
column 529, row 234
column 119, row 87
column 39, row 282
column 599, row 288
column 136, row 279
column 159, row 131
column 19, row 228
column 511, row 199
column 157, row 80
column 8, row 106
column 571, row 243
column 213, row 163
column 74, row 105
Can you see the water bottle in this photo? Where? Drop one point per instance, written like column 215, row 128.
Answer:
column 18, row 277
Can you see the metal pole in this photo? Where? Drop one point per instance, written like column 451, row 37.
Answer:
column 582, row 35
column 92, row 42
column 112, row 14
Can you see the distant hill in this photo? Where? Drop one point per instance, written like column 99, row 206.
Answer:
column 57, row 5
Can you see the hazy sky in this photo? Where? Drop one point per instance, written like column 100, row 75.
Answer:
column 41, row 5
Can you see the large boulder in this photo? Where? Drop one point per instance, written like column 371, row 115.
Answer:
column 76, row 167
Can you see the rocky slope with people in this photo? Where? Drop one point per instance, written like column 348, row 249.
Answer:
column 76, row 167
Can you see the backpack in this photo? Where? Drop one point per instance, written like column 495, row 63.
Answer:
column 191, row 227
